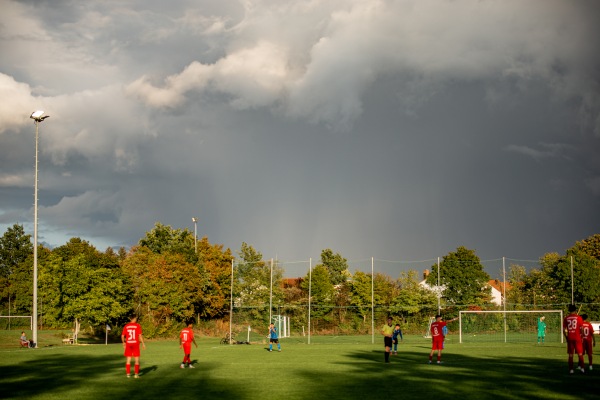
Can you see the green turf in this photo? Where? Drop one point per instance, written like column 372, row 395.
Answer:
column 343, row 367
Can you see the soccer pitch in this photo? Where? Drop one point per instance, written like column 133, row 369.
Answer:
column 347, row 367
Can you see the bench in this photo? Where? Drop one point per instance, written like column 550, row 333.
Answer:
column 68, row 340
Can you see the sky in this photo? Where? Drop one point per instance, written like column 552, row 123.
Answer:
column 398, row 130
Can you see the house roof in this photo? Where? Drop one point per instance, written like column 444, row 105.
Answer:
column 496, row 284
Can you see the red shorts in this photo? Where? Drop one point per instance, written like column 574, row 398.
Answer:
column 574, row 346
column 437, row 343
column 587, row 347
column 132, row 349
column 187, row 348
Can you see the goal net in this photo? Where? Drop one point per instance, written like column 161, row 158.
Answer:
column 509, row 326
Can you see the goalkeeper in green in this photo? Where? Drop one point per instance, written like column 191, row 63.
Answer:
column 541, row 329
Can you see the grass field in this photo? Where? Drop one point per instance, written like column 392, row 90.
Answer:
column 344, row 367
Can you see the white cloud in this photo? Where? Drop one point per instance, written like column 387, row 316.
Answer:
column 15, row 180
column 13, row 113
column 321, row 73
column 545, row 150
column 223, row 109
column 252, row 77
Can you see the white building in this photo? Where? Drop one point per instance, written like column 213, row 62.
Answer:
column 495, row 284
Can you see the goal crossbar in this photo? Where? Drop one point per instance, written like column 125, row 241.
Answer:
column 504, row 313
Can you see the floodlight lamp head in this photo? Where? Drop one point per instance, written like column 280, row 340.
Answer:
column 37, row 116
column 194, row 219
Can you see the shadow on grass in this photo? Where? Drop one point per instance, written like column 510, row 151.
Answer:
column 76, row 376
column 409, row 376
column 300, row 373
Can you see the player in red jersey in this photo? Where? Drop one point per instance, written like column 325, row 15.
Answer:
column 186, row 338
column 572, row 331
column 588, row 339
column 437, row 338
column 131, row 338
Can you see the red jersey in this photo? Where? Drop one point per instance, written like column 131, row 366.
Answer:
column 572, row 324
column 186, row 336
column 587, row 331
column 132, row 332
column 437, row 330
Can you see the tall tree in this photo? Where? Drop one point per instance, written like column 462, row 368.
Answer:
column 253, row 280
column 464, row 280
column 583, row 287
column 385, row 291
column 214, row 263
column 516, row 295
column 590, row 246
column 412, row 297
column 77, row 281
column 321, row 290
column 166, row 287
column 336, row 265
column 164, row 239
column 15, row 249
column 361, row 294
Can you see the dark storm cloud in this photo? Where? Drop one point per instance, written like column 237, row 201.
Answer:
column 396, row 130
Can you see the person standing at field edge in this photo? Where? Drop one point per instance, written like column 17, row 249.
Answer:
column 395, row 335
column 273, row 338
column 186, row 338
column 131, row 338
column 387, row 330
column 437, row 338
column 572, row 331
column 541, row 330
column 588, row 339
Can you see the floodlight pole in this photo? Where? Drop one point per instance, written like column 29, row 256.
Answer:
column 439, row 292
column 195, row 221
column 271, row 294
column 231, row 303
column 309, row 293
column 37, row 118
column 372, row 300
column 572, row 283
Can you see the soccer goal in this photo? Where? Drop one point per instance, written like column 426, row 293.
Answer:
column 282, row 323
column 9, row 322
column 509, row 326
column 427, row 334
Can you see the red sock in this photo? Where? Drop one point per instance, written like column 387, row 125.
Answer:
column 136, row 368
column 439, row 358
column 128, row 368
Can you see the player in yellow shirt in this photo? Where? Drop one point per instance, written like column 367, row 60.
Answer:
column 387, row 330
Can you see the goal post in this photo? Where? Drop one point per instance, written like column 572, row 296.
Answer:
column 509, row 326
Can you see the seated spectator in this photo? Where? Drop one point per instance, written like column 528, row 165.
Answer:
column 24, row 341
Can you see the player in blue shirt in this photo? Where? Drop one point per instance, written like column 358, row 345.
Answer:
column 445, row 333
column 397, row 332
column 273, row 338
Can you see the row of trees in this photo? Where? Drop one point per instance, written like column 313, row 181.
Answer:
column 167, row 279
